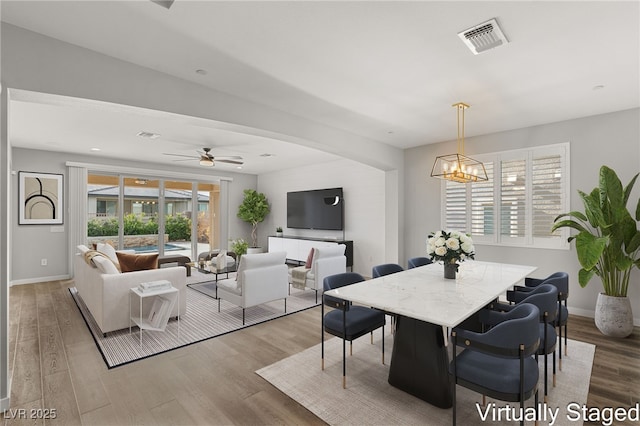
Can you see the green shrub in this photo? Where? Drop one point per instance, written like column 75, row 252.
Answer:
column 99, row 227
column 178, row 227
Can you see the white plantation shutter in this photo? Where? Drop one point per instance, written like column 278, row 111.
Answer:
column 483, row 205
column 513, row 199
column 547, row 193
column 456, row 202
column 526, row 190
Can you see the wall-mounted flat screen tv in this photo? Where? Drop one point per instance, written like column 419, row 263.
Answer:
column 316, row 209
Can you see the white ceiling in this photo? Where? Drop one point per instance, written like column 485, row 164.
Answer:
column 387, row 71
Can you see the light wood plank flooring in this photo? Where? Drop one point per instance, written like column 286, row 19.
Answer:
column 56, row 365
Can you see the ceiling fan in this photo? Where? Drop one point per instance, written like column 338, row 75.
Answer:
column 207, row 159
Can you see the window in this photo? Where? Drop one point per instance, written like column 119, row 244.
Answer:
column 527, row 189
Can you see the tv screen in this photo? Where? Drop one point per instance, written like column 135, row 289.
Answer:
column 317, row 209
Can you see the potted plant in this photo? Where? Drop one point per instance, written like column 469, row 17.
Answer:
column 279, row 231
column 239, row 247
column 254, row 208
column 607, row 245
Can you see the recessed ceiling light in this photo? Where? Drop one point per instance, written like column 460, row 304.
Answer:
column 239, row 167
column 95, row 149
column 598, row 87
column 201, row 72
column 266, row 154
column 148, row 135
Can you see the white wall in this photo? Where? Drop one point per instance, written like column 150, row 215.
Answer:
column 364, row 195
column 611, row 139
column 30, row 243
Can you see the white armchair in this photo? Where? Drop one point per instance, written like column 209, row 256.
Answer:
column 326, row 261
column 261, row 278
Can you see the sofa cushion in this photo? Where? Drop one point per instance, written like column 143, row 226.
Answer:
column 137, row 262
column 83, row 249
column 230, row 285
column 108, row 250
column 105, row 265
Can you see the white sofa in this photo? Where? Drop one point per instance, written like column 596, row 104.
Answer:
column 105, row 291
column 326, row 261
column 261, row 278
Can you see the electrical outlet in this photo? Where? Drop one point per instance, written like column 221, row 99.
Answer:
column 43, row 262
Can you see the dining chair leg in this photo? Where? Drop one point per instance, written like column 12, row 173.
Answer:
column 382, row 345
column 344, row 349
column 322, row 336
column 344, row 364
column 554, row 368
column 559, row 320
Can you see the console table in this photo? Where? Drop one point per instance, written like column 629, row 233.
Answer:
column 298, row 248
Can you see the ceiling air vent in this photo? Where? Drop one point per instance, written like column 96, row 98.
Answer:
column 483, row 37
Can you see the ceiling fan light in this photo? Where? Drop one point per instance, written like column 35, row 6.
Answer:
column 206, row 161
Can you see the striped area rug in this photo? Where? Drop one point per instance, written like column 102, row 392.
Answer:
column 202, row 321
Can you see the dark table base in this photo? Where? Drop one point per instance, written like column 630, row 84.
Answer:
column 420, row 362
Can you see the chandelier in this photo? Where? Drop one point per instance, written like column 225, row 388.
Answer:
column 458, row 167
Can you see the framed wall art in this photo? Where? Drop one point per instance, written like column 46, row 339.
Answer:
column 40, row 198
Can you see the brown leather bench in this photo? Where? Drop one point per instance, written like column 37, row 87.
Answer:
column 176, row 258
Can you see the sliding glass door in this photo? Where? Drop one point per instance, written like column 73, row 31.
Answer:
column 151, row 215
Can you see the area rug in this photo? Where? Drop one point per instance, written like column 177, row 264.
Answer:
column 370, row 400
column 202, row 321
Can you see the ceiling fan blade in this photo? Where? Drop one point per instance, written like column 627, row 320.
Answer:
column 185, row 159
column 229, row 157
column 180, row 155
column 228, row 161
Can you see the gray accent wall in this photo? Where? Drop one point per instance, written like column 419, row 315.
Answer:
column 612, row 139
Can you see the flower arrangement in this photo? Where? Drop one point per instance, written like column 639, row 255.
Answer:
column 450, row 247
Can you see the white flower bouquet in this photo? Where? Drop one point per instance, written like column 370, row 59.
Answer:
column 450, row 247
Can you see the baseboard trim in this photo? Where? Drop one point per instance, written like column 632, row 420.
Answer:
column 39, row 280
column 592, row 314
column 5, row 403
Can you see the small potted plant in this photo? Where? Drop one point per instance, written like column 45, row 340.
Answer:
column 239, row 246
column 279, row 231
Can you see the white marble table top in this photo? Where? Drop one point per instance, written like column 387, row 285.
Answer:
column 424, row 294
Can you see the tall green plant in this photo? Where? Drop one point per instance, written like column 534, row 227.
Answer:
column 608, row 240
column 254, row 208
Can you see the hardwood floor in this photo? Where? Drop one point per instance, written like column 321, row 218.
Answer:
column 56, row 366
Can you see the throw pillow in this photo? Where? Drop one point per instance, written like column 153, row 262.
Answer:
column 137, row 262
column 309, row 259
column 105, row 265
column 108, row 250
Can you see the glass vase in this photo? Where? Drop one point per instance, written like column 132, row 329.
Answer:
column 450, row 270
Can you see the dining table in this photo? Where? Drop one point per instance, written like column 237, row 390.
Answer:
column 426, row 306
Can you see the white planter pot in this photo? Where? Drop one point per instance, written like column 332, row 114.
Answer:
column 254, row 250
column 613, row 315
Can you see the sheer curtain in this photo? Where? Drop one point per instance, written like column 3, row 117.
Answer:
column 77, row 210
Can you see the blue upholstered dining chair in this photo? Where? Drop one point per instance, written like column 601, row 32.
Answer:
column 561, row 281
column 499, row 362
column 545, row 298
column 385, row 269
column 348, row 321
column 414, row 262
